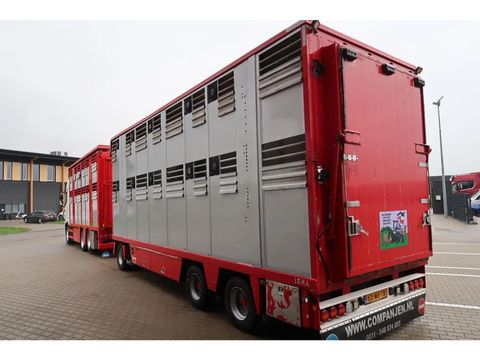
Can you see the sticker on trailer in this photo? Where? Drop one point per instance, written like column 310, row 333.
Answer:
column 393, row 229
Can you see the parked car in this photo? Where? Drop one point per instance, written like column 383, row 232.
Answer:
column 466, row 183
column 476, row 204
column 20, row 215
column 40, row 216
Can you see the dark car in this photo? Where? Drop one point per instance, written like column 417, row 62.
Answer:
column 40, row 216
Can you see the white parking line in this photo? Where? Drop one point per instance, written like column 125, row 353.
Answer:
column 452, row 267
column 454, row 305
column 445, row 243
column 454, row 253
column 458, row 275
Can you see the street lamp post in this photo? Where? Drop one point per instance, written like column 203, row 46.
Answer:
column 444, row 186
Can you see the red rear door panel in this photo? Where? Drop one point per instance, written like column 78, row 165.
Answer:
column 386, row 181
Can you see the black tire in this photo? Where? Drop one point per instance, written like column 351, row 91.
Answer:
column 68, row 241
column 196, row 287
column 89, row 246
column 121, row 258
column 83, row 242
column 239, row 304
column 40, row 220
column 25, row 221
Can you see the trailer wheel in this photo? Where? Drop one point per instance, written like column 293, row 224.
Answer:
column 196, row 286
column 90, row 246
column 239, row 304
column 67, row 238
column 83, row 242
column 121, row 259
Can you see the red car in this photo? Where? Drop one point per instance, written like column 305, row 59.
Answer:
column 466, row 183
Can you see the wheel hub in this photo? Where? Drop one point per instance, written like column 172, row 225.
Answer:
column 239, row 303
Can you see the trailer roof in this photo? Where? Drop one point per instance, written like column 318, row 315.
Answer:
column 322, row 28
column 95, row 149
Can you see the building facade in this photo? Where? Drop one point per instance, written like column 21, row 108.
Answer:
column 32, row 181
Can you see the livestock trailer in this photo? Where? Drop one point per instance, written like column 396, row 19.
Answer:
column 89, row 193
column 293, row 182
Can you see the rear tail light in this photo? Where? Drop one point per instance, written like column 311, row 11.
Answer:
column 351, row 306
column 325, row 315
column 333, row 312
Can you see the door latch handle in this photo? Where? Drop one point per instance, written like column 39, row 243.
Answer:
column 355, row 228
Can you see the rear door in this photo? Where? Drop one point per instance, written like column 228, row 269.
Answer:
column 385, row 165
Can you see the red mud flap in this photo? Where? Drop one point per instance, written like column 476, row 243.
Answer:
column 378, row 323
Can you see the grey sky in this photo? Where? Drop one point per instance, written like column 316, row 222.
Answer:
column 71, row 85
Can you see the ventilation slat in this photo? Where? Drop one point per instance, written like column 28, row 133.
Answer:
column 198, row 108
column 175, row 182
column 115, row 145
column 283, row 164
column 174, row 121
column 156, row 129
column 226, row 94
column 141, row 137
column 280, row 67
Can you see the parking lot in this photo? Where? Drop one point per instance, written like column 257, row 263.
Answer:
column 53, row 291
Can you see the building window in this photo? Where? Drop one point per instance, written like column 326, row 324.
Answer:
column 1, row 170
column 24, row 171
column 36, row 172
column 8, row 170
column 50, row 173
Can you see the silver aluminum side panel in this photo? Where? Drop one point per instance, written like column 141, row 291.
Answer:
column 130, row 203
column 285, row 208
column 141, row 201
column 235, row 216
column 156, row 195
column 197, row 191
column 176, row 206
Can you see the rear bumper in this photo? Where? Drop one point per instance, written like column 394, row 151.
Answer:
column 376, row 322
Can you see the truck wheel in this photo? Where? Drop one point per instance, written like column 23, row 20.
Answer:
column 83, row 243
column 90, row 246
column 67, row 238
column 121, row 259
column 239, row 304
column 196, row 286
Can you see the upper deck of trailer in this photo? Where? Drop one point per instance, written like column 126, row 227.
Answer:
column 90, row 153
column 333, row 34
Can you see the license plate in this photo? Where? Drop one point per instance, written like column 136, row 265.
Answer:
column 377, row 295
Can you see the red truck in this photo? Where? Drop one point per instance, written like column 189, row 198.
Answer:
column 466, row 183
column 89, row 206
column 293, row 183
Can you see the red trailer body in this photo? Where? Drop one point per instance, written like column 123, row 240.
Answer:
column 89, row 220
column 368, row 200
